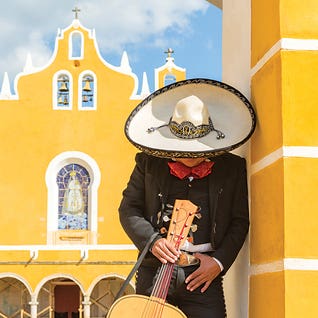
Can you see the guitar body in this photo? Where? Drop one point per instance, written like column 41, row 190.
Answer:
column 132, row 306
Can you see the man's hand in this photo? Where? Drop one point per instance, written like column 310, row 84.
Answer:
column 165, row 251
column 208, row 270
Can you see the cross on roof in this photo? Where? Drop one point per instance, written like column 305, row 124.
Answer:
column 76, row 10
column 169, row 52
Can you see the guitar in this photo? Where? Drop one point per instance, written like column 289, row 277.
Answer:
column 155, row 306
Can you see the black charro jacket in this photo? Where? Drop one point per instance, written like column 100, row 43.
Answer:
column 149, row 185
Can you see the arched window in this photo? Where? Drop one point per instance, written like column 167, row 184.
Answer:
column 73, row 181
column 76, row 50
column 87, row 93
column 63, row 97
column 62, row 90
column 169, row 79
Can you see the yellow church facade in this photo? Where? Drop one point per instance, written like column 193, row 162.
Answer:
column 66, row 161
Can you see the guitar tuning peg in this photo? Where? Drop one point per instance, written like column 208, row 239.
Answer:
column 163, row 230
column 169, row 206
column 166, row 218
column 190, row 239
column 198, row 215
column 194, row 228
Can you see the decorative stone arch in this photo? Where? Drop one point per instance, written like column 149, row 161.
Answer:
column 44, row 293
column 19, row 278
column 102, row 292
column 54, row 167
column 20, row 295
column 57, row 276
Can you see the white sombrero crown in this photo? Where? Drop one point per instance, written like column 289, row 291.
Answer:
column 190, row 119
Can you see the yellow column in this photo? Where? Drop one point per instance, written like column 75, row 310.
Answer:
column 284, row 157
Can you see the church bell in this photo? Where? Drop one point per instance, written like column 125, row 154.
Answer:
column 87, row 87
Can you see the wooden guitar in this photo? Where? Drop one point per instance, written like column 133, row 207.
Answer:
column 155, row 306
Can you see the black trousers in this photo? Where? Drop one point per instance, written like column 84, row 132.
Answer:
column 195, row 304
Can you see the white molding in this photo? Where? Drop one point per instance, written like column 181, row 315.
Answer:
column 79, row 247
column 267, row 56
column 284, row 152
column 273, row 267
column 267, row 161
column 301, row 264
column 294, row 264
column 300, row 151
column 286, row 44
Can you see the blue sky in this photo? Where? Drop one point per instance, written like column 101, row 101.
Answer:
column 142, row 28
column 198, row 49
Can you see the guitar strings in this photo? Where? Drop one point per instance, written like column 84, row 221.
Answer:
column 158, row 296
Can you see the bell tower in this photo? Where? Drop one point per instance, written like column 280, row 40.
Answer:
column 169, row 72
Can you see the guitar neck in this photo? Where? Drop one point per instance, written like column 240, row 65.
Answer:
column 181, row 220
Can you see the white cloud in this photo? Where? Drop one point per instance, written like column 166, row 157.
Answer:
column 31, row 26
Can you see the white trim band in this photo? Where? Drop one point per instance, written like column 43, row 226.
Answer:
column 83, row 249
column 100, row 247
column 295, row 264
column 286, row 151
column 286, row 44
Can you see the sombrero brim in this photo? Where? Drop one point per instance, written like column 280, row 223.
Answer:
column 230, row 111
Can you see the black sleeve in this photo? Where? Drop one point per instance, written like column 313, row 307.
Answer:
column 238, row 226
column 132, row 212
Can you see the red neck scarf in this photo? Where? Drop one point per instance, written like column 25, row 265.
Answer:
column 200, row 171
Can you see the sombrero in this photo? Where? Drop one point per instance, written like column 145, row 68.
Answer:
column 191, row 118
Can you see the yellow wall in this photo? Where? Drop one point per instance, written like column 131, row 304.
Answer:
column 267, row 296
column 267, row 96
column 32, row 134
column 299, row 89
column 283, row 182
column 265, row 27
column 267, row 216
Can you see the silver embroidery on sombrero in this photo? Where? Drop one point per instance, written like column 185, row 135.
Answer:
column 187, row 130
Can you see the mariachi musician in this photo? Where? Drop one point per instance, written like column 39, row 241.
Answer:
column 185, row 132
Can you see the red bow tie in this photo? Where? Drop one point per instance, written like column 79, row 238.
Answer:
column 181, row 171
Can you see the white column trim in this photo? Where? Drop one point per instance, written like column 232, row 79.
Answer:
column 266, row 161
column 286, row 151
column 286, row 44
column 296, row 264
